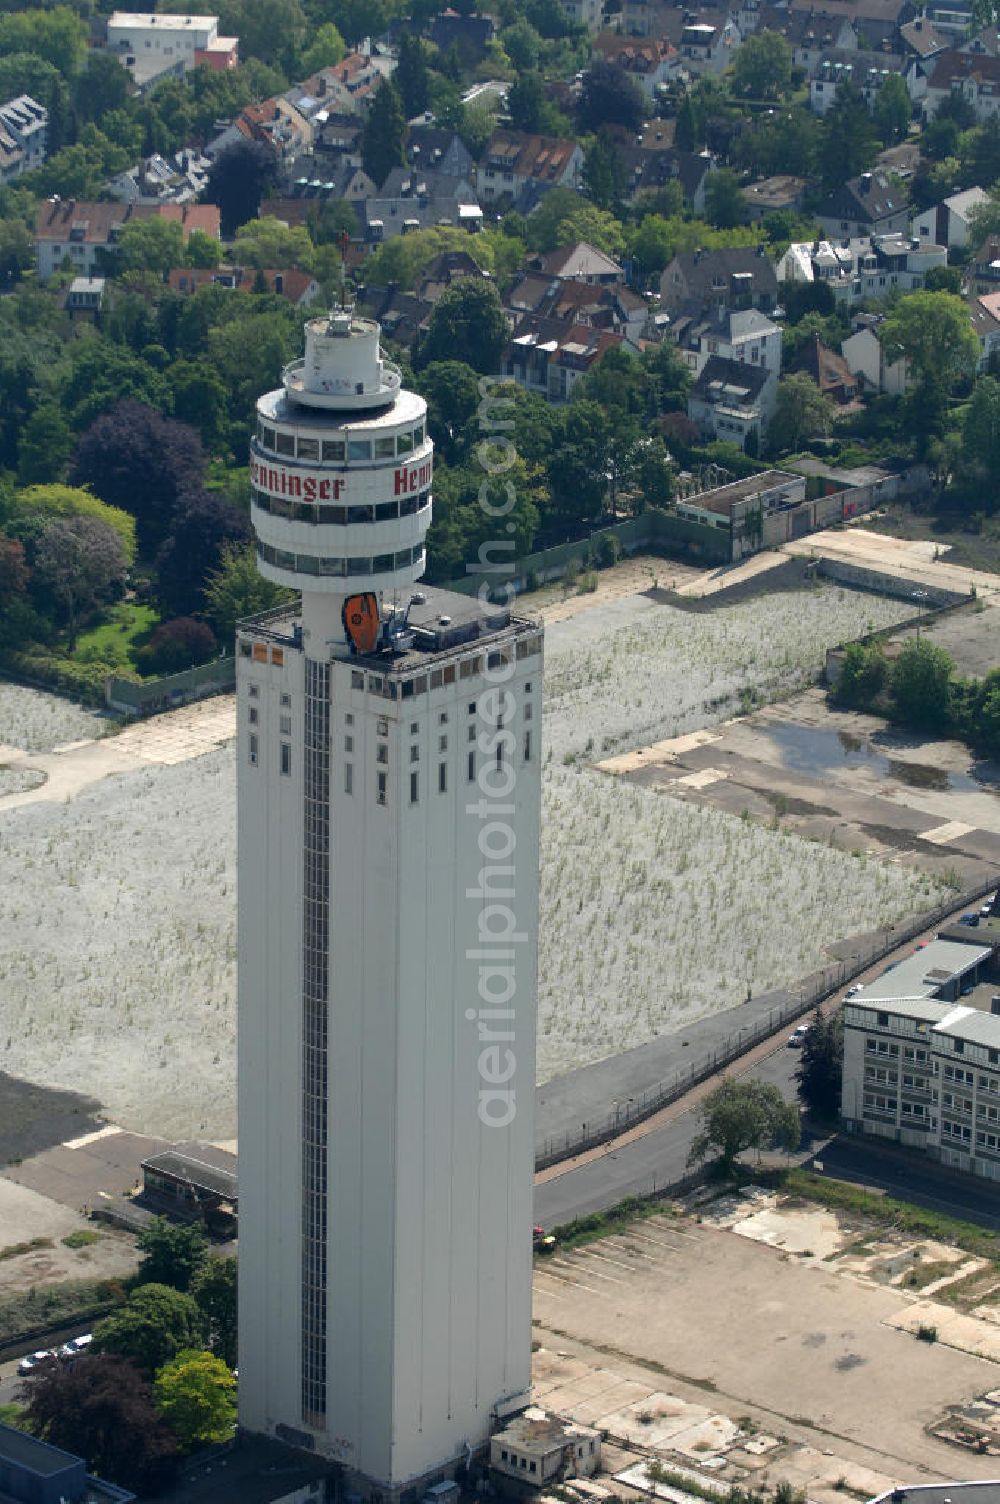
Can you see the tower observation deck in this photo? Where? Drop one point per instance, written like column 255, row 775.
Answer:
column 340, row 470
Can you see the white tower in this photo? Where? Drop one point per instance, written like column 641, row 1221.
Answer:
column 388, row 861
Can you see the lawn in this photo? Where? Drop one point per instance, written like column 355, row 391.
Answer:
column 126, row 627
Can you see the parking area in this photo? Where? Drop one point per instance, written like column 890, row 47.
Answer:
column 759, row 1334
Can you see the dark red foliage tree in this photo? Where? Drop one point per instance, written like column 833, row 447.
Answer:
column 203, row 524
column 176, row 645
column 133, row 458
column 100, row 1407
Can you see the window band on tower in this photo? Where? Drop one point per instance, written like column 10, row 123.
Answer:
column 315, row 1029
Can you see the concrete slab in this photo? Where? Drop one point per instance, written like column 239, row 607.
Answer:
column 966, row 1333
column 941, row 835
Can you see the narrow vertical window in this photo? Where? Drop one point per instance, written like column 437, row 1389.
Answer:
column 442, row 777
column 286, row 759
column 472, row 767
column 254, row 749
column 527, row 746
column 348, row 778
column 414, row 787
column 381, row 790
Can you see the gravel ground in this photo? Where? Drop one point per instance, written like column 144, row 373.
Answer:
column 36, row 721
column 16, row 780
column 117, row 909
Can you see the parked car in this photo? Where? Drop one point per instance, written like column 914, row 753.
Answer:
column 970, row 919
column 76, row 1345
column 853, row 991
column 30, row 1363
column 795, row 1040
column 987, row 908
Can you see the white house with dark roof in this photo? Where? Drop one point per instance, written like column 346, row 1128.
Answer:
column 24, row 124
column 875, row 203
column 947, row 223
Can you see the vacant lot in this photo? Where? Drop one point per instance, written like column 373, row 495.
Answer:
column 745, row 1328
column 117, row 908
column 36, row 721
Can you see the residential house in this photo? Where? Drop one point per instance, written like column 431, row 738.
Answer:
column 84, row 300
column 549, row 357
column 578, row 263
column 157, row 180
column 87, row 234
column 314, row 178
column 865, row 71
column 586, row 13
column 986, row 266
column 24, row 126
column 809, row 33
column 868, row 266
column 948, row 222
column 873, row 204
column 276, row 123
column 616, row 308
column 984, row 312
column 410, row 200
column 708, row 47
column 469, row 35
column 431, row 149
column 867, row 360
column 768, row 195
column 337, row 137
column 348, row 87
column 650, row 169
column 732, row 401
column 153, row 44
column 651, row 62
column 513, row 160
column 957, row 17
column 876, row 23
column 739, row 277
column 300, row 288
column 923, row 40
column 746, row 337
column 976, row 79
column 985, row 43
column 830, row 371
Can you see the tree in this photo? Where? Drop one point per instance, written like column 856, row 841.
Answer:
column 451, row 388
column 382, row 137
column 725, row 206
column 238, row 179
column 762, row 67
column 892, row 110
column 155, row 1325
column 214, row 1287
column 526, row 101
column 604, row 176
column 79, row 560
column 410, row 76
column 237, row 589
column 141, row 462
column 981, row 433
column 740, row 1115
column 177, row 645
column 57, row 35
column 821, row 1066
column 849, row 142
column 101, row 1408
column 155, row 245
column 326, row 50
column 195, row 1394
column 468, row 317
column 270, row 243
column 205, row 523
column 54, row 500
column 199, row 397
column 609, row 96
column 920, row 685
column 563, row 218
column 933, row 332
column 101, row 86
column 687, row 136
column 862, row 676
column 801, row 413
column 45, row 447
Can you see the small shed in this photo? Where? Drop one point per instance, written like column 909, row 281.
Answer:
column 196, row 1182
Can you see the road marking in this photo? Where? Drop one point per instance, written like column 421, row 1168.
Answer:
column 592, row 1253
column 574, row 1284
column 671, row 1247
column 593, row 1273
column 90, row 1138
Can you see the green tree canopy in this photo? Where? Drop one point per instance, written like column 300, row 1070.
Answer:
column 155, row 1325
column 382, row 139
column 762, row 67
column 862, row 676
column 563, row 217
column 172, row 1253
column 741, row 1115
column 155, row 245
column 849, row 141
column 54, row 500
column 821, row 1065
column 892, row 109
column 920, row 685
column 195, row 1393
column 270, row 244
column 238, row 589
column 468, row 317
column 725, row 205
column 801, row 413
column 214, row 1287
